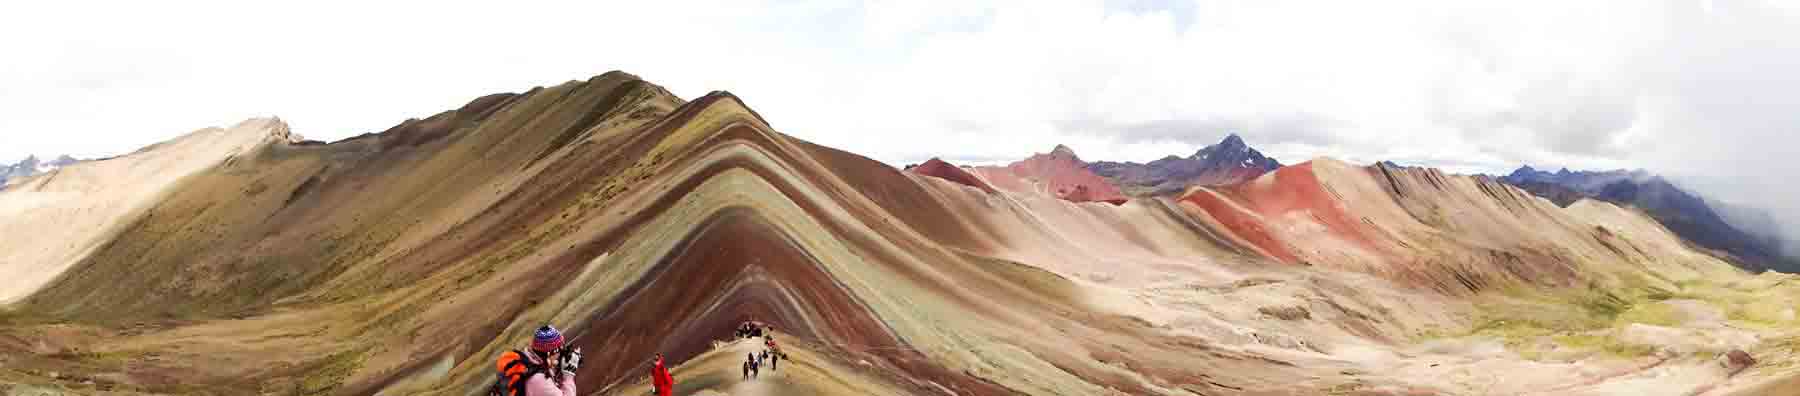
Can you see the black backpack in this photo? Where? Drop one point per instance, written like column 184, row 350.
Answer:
column 512, row 369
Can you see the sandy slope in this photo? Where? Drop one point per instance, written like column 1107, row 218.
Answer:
column 403, row 262
column 53, row 220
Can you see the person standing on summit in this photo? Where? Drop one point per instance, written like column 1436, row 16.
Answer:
column 659, row 376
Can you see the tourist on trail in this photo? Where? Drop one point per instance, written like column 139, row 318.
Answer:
column 749, row 367
column 659, row 377
column 774, row 351
column 548, row 370
column 774, row 358
column 754, row 365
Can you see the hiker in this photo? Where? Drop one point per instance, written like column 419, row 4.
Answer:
column 659, row 377
column 754, row 365
column 746, row 370
column 774, row 351
column 774, row 358
column 547, row 370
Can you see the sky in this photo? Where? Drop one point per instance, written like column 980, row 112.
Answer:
column 1703, row 91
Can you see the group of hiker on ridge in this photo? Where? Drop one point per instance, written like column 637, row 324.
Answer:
column 770, row 356
column 548, row 369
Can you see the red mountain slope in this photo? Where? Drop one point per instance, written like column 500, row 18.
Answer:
column 943, row 170
column 1059, row 173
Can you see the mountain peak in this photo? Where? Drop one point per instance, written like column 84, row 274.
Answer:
column 1058, row 173
column 1064, row 153
column 1232, row 140
column 1523, row 173
column 1233, row 152
column 1231, row 161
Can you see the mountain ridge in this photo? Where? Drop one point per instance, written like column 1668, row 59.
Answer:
column 1686, row 213
column 403, row 262
column 1230, row 161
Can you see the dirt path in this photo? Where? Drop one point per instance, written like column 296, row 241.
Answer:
column 762, row 385
column 766, row 380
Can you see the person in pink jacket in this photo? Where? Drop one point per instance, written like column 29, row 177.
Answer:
column 559, row 380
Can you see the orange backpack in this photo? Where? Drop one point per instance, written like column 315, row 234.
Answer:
column 513, row 369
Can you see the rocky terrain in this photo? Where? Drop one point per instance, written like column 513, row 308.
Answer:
column 243, row 260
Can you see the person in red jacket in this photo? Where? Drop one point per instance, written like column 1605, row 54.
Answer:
column 659, row 375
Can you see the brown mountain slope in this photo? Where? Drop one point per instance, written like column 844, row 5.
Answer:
column 404, row 262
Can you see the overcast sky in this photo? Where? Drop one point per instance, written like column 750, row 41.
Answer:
column 1703, row 90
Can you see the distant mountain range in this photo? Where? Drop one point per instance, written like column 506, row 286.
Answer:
column 1588, row 182
column 1231, row 161
column 1738, row 231
column 31, row 165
